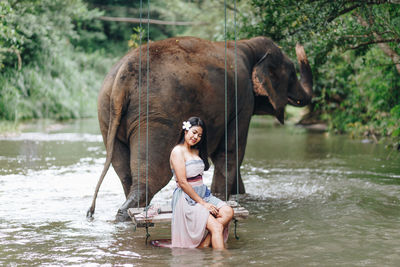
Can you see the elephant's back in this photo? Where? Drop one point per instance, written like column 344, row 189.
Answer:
column 179, row 45
column 184, row 76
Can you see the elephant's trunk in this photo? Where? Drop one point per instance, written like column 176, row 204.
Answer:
column 305, row 71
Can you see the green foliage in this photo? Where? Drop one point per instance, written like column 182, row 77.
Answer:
column 90, row 35
column 356, row 84
column 121, row 32
column 55, row 53
column 10, row 39
column 54, row 80
column 60, row 87
column 209, row 16
column 137, row 38
column 37, row 27
column 94, row 34
column 360, row 94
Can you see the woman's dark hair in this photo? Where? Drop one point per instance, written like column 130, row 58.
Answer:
column 202, row 145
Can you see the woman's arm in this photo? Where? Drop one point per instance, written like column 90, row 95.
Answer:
column 178, row 164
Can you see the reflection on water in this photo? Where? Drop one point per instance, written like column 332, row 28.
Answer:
column 314, row 199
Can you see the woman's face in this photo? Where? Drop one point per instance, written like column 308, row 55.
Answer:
column 193, row 135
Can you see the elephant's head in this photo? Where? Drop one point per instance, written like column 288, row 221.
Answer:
column 275, row 82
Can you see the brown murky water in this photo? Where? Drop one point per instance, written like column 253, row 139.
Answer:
column 314, row 199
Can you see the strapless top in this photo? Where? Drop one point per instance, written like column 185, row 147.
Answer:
column 194, row 176
column 194, row 167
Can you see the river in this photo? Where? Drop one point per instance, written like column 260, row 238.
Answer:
column 314, row 199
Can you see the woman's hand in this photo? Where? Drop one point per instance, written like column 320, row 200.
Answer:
column 211, row 208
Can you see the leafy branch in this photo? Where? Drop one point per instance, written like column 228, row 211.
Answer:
column 375, row 42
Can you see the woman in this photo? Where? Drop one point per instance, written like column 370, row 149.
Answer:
column 194, row 208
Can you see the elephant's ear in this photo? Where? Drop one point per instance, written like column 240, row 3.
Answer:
column 262, row 77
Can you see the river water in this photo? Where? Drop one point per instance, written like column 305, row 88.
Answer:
column 314, row 199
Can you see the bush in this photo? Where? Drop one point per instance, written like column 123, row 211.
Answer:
column 360, row 94
column 54, row 79
column 62, row 86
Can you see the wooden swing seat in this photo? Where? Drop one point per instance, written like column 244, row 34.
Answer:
column 138, row 215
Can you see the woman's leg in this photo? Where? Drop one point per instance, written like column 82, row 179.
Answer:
column 206, row 241
column 225, row 215
column 216, row 229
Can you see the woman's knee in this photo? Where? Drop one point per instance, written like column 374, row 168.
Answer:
column 216, row 227
column 227, row 211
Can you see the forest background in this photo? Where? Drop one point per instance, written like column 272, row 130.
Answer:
column 54, row 54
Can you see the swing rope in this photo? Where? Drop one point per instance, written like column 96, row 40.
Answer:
column 139, row 102
column 147, row 116
column 226, row 115
column 226, row 110
column 236, row 119
column 140, row 96
column 147, row 107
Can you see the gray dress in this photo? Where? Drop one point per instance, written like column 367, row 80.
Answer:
column 189, row 218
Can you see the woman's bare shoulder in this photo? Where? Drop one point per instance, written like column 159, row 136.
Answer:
column 178, row 151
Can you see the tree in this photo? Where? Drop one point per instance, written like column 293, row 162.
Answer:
column 340, row 36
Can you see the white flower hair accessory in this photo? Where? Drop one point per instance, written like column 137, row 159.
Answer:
column 186, row 125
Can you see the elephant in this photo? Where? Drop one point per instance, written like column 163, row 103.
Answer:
column 183, row 77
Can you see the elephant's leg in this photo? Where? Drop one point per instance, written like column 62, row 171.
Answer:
column 121, row 165
column 238, row 186
column 155, row 172
column 220, row 185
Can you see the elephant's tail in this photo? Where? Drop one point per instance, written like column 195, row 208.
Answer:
column 116, row 102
